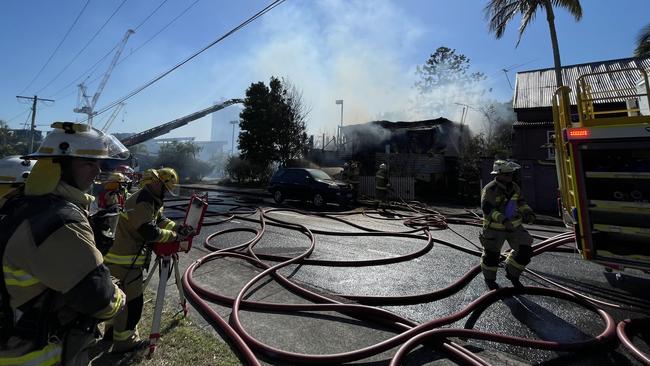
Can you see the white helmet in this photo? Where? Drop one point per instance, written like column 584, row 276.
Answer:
column 503, row 167
column 81, row 141
column 13, row 169
column 382, row 166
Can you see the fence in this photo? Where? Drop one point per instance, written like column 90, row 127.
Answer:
column 403, row 187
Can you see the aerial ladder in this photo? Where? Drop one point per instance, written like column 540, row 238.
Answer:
column 86, row 105
column 603, row 166
column 179, row 122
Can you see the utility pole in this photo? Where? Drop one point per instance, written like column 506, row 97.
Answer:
column 232, row 141
column 340, row 129
column 35, row 99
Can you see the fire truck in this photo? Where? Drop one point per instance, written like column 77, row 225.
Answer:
column 603, row 163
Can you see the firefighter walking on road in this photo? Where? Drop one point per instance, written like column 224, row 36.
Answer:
column 142, row 225
column 504, row 210
column 55, row 287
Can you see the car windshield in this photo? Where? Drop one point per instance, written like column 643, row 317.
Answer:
column 319, row 174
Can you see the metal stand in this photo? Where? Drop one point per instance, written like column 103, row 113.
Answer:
column 165, row 262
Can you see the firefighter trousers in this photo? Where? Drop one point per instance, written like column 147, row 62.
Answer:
column 126, row 322
column 492, row 240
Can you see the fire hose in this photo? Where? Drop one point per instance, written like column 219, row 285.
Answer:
column 410, row 334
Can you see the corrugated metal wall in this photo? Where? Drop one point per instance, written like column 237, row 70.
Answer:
column 403, row 187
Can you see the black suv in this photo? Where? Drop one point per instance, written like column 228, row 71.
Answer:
column 312, row 185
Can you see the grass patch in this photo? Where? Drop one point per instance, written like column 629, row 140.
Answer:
column 181, row 343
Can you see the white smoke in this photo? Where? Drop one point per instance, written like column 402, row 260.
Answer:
column 355, row 51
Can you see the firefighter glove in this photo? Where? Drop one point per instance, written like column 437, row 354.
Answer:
column 184, row 231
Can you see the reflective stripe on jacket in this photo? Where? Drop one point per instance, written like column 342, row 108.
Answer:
column 142, row 222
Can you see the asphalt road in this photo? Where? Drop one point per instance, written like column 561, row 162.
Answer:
column 535, row 317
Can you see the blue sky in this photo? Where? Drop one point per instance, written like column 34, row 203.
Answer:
column 364, row 52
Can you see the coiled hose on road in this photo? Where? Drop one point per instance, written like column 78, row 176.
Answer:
column 410, row 334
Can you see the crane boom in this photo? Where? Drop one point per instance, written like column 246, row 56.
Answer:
column 179, row 122
column 89, row 106
column 110, row 119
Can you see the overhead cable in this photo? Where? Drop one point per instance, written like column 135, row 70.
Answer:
column 84, row 47
column 57, row 47
column 90, row 70
column 148, row 84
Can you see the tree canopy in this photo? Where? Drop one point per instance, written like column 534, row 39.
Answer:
column 182, row 157
column 10, row 144
column 272, row 124
column 445, row 67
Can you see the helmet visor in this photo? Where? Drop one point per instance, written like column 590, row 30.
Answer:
column 116, row 149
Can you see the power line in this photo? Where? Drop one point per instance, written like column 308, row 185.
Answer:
column 57, row 47
column 150, row 15
column 84, row 47
column 148, row 84
column 91, row 69
column 18, row 115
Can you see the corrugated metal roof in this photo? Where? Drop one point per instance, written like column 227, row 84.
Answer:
column 535, row 88
column 532, row 124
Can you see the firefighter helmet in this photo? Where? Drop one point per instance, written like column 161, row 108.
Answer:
column 81, row 141
column 382, row 166
column 504, row 167
column 167, row 176
column 14, row 170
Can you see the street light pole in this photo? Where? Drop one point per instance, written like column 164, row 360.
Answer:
column 340, row 101
column 232, row 141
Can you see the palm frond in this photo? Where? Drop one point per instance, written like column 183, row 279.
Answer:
column 572, row 6
column 643, row 43
column 528, row 15
column 499, row 13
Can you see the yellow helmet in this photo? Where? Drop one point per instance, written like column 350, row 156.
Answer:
column 167, row 176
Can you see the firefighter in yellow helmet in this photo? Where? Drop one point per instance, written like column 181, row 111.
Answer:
column 55, row 287
column 140, row 227
column 504, row 210
column 13, row 174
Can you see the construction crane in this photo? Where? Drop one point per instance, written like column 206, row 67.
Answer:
column 85, row 104
column 114, row 114
column 179, row 122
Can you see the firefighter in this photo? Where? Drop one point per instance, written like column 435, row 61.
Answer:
column 382, row 185
column 142, row 225
column 114, row 189
column 55, row 287
column 504, row 210
column 13, row 173
column 354, row 176
column 345, row 173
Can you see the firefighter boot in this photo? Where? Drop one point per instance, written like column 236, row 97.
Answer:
column 491, row 284
column 133, row 343
column 513, row 278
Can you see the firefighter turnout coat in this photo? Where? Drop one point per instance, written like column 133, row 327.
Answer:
column 140, row 226
column 503, row 203
column 55, row 278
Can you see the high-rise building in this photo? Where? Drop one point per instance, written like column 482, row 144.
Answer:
column 222, row 129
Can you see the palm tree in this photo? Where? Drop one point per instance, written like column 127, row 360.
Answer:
column 643, row 43
column 500, row 12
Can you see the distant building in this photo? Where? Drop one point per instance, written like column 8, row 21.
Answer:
column 534, row 129
column 222, row 129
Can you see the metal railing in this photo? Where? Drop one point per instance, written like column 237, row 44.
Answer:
column 588, row 95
